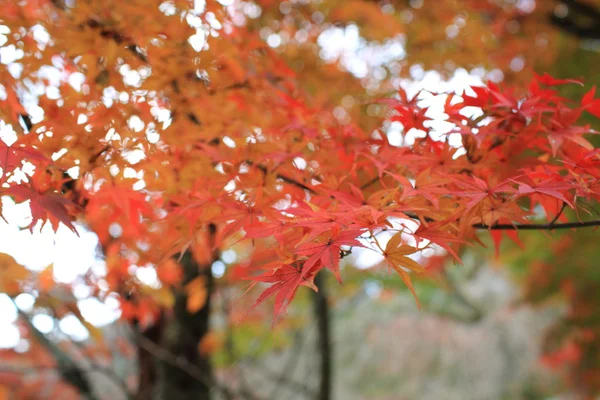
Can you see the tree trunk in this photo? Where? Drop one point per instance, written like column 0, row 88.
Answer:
column 171, row 365
column 321, row 310
column 181, row 336
column 147, row 363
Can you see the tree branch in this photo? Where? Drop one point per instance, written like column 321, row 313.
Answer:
column 289, row 366
column 507, row 227
column 285, row 178
column 582, row 20
column 69, row 371
column 538, row 227
column 178, row 362
column 475, row 313
column 525, row 227
column 583, row 9
column 181, row 363
column 266, row 371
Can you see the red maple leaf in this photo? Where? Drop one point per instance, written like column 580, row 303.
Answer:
column 551, row 187
column 407, row 112
column 12, row 156
column 285, row 279
column 44, row 206
column 548, row 80
column 125, row 201
column 327, row 251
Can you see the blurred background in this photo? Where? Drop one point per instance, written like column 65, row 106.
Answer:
column 519, row 323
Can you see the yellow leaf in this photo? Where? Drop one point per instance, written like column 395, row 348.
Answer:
column 202, row 249
column 394, row 242
column 210, row 343
column 94, row 331
column 169, row 272
column 396, row 253
column 407, row 262
column 406, row 278
column 11, row 275
column 110, row 52
column 196, row 294
column 164, row 297
column 46, row 278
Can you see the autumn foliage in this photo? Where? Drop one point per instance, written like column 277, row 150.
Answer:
column 165, row 149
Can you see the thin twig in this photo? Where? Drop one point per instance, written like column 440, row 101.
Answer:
column 68, row 369
column 476, row 313
column 369, row 183
column 93, row 365
column 269, row 373
column 94, row 157
column 180, row 363
column 559, row 214
column 290, row 365
column 285, row 178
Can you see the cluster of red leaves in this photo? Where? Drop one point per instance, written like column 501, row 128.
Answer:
column 296, row 179
column 520, row 154
column 241, row 147
column 517, row 155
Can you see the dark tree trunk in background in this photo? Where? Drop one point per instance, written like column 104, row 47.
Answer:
column 171, row 367
column 581, row 19
column 324, row 345
column 147, row 364
column 181, row 335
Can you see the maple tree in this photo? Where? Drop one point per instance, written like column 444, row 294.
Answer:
column 179, row 130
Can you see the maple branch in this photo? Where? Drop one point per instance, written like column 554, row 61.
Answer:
column 524, row 227
column 550, row 226
column 284, row 178
column 369, row 183
column 538, row 227
column 235, row 86
column 94, row 157
column 119, row 38
column 582, row 8
column 295, row 182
